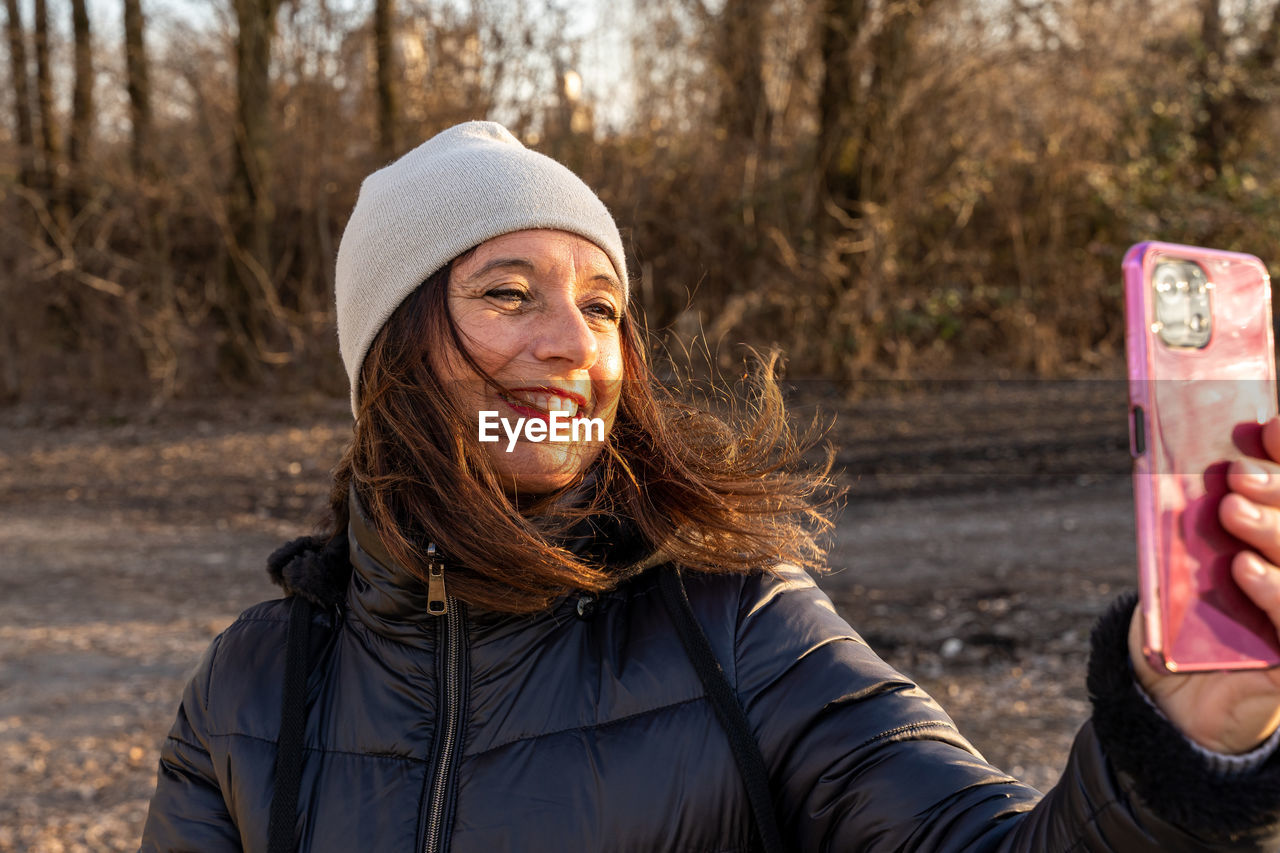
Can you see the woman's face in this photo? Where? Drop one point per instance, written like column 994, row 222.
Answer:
column 540, row 312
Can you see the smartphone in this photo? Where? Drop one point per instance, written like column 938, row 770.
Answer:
column 1202, row 382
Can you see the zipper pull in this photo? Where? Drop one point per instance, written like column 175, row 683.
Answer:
column 437, row 600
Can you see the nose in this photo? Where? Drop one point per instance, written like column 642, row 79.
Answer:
column 565, row 336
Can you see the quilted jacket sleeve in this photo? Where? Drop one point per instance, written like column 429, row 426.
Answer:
column 862, row 759
column 188, row 812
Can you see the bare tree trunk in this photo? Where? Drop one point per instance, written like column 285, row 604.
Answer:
column 1229, row 105
column 1268, row 48
column 11, row 351
column 839, row 105
column 892, row 49
column 154, row 225
column 1212, row 132
column 50, row 148
column 744, row 110
column 22, row 94
column 251, row 175
column 251, row 211
column 384, row 14
column 139, row 86
column 81, row 108
column 743, row 114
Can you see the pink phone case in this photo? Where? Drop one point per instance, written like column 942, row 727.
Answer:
column 1191, row 411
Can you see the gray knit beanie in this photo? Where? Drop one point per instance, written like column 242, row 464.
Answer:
column 465, row 185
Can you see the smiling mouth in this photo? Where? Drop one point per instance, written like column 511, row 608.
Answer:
column 541, row 403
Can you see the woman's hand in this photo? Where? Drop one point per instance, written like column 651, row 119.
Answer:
column 1232, row 712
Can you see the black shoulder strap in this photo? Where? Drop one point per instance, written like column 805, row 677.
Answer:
column 746, row 752
column 282, row 826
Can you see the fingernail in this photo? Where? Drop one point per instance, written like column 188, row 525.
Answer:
column 1248, row 508
column 1254, row 569
column 1254, row 473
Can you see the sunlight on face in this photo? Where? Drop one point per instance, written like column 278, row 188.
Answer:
column 540, row 312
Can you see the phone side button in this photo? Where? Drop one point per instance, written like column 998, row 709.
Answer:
column 1137, row 432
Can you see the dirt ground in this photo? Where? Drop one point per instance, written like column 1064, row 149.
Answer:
column 986, row 527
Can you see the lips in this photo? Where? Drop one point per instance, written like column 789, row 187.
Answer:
column 542, row 401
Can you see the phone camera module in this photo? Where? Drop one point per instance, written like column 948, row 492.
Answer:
column 1183, row 313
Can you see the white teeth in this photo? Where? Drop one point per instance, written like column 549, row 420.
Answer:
column 556, row 403
column 547, row 402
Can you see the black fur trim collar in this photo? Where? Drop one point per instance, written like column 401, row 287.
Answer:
column 1158, row 761
column 314, row 568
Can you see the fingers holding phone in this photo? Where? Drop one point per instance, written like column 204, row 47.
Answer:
column 1251, row 513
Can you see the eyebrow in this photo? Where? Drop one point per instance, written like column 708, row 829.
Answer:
column 502, row 263
column 526, row 266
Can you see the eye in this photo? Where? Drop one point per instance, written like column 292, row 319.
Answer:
column 510, row 297
column 601, row 311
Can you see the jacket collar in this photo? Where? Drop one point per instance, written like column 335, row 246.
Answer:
column 393, row 602
column 384, row 596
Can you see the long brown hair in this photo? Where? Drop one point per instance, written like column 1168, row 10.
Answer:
column 712, row 492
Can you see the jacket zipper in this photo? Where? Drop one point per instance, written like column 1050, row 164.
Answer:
column 451, row 628
column 437, row 597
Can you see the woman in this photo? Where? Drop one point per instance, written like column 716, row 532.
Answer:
column 497, row 663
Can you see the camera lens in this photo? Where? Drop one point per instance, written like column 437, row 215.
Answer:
column 1166, row 282
column 1183, row 315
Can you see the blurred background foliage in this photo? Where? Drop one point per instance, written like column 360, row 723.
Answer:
column 884, row 188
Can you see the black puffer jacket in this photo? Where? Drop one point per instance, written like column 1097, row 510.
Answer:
column 585, row 728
